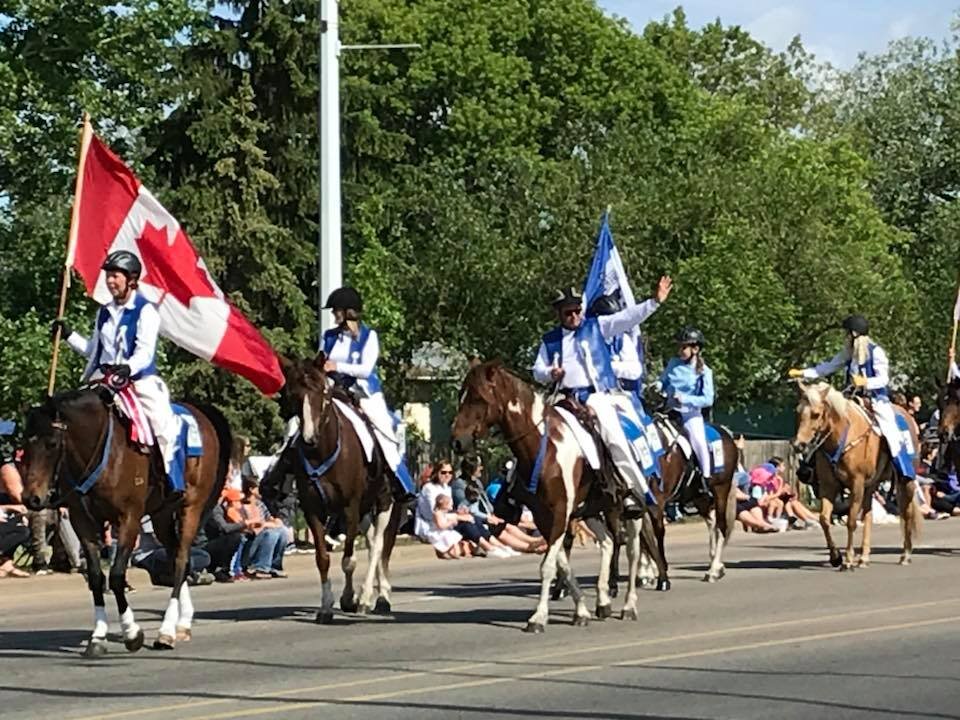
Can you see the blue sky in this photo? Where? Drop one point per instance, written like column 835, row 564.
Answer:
column 835, row 30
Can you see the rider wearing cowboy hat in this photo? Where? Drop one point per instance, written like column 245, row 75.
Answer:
column 576, row 357
column 867, row 370
column 124, row 345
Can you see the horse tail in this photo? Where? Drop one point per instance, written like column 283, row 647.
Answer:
column 221, row 426
column 911, row 518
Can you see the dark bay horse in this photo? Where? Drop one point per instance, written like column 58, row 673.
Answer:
column 493, row 396
column 716, row 503
column 75, row 440
column 949, row 428
column 836, row 435
column 334, row 478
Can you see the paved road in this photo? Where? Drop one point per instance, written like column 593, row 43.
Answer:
column 781, row 636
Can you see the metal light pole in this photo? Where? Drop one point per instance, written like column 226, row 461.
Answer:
column 330, row 254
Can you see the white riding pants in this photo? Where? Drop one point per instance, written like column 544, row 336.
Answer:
column 155, row 399
column 697, row 435
column 605, row 407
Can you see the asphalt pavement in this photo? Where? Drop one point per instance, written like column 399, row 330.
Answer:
column 781, row 636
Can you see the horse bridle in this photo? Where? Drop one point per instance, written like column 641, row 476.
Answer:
column 56, row 499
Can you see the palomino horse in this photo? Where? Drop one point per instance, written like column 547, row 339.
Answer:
column 78, row 454
column 333, row 478
column 848, row 453
column 492, row 396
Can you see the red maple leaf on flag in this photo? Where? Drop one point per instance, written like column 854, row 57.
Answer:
column 173, row 267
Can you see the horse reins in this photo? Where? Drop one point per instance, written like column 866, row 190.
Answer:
column 61, row 428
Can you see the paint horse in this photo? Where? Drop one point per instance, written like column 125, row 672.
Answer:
column 493, row 396
column 78, row 454
column 837, row 436
column 334, row 477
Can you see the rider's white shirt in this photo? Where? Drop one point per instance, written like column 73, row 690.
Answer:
column 360, row 367
column 113, row 342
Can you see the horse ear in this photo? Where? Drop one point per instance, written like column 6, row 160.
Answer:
column 474, row 361
column 286, row 364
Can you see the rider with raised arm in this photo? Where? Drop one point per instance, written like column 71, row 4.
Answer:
column 867, row 370
column 575, row 356
column 124, row 344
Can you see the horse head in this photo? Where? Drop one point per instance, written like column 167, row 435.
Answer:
column 949, row 403
column 819, row 407
column 485, row 396
column 307, row 394
column 55, row 432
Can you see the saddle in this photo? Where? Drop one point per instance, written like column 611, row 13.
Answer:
column 613, row 488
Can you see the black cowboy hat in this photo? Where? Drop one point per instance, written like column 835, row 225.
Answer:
column 345, row 298
column 567, row 296
column 856, row 324
column 123, row 261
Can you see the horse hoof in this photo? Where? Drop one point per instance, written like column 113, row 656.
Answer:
column 95, row 649
column 164, row 642
column 663, row 585
column 864, row 564
column 613, row 590
column 363, row 609
column 645, row 582
column 382, row 607
column 324, row 617
column 604, row 612
column 135, row 643
column 534, row 628
column 630, row 614
column 836, row 561
column 905, row 561
column 184, row 634
column 348, row 606
column 848, row 567
column 708, row 578
column 581, row 621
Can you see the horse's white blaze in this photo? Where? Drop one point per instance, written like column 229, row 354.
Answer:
column 309, row 423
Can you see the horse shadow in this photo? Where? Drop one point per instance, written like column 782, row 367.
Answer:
column 28, row 643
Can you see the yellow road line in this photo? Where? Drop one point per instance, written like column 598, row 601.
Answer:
column 296, row 705
column 549, row 654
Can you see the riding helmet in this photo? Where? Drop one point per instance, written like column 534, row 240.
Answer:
column 123, row 261
column 856, row 324
column 566, row 297
column 345, row 298
column 604, row 305
column 691, row 336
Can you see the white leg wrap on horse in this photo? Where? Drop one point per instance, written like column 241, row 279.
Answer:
column 128, row 624
column 100, row 624
column 186, row 607
column 169, row 625
column 375, row 554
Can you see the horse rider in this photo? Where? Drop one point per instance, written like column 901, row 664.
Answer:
column 575, row 356
column 352, row 350
column 687, row 383
column 124, row 343
column 868, row 371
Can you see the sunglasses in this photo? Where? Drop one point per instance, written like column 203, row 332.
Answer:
column 446, row 472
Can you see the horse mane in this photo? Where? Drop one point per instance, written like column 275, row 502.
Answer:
column 823, row 393
column 81, row 401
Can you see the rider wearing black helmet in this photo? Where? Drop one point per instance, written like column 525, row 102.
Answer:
column 867, row 371
column 688, row 386
column 123, row 350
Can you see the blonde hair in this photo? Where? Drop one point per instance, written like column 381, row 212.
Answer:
column 860, row 352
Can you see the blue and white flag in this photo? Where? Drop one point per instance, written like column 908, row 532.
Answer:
column 607, row 276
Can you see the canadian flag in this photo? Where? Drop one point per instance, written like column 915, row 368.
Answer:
column 113, row 211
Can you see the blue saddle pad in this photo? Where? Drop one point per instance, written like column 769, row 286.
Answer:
column 189, row 440
column 715, row 443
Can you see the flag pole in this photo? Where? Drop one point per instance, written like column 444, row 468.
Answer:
column 85, row 134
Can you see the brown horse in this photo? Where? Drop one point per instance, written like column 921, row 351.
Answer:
column 949, row 428
column 493, row 396
column 715, row 501
column 334, row 477
column 836, row 434
column 78, row 454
